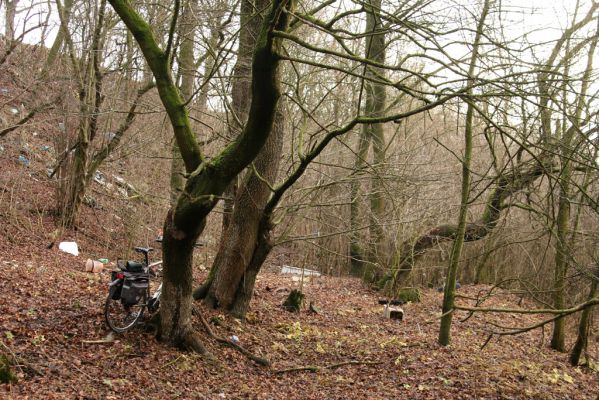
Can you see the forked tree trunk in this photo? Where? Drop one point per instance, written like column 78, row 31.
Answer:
column 90, row 101
column 208, row 178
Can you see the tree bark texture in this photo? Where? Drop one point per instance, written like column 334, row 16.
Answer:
column 563, row 253
column 59, row 39
column 187, row 29
column 75, row 182
column 250, row 20
column 241, row 240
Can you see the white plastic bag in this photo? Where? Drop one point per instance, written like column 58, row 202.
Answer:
column 69, row 247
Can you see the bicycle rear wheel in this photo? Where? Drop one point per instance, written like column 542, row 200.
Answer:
column 120, row 318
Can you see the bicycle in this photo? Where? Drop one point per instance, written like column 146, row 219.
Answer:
column 129, row 292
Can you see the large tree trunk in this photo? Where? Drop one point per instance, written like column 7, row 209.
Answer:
column 375, row 107
column 176, row 304
column 243, row 207
column 245, row 290
column 250, row 20
column 241, row 240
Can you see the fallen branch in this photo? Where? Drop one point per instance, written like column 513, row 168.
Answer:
column 315, row 368
column 247, row 353
column 560, row 313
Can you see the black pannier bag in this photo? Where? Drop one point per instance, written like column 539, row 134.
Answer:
column 115, row 290
column 134, row 288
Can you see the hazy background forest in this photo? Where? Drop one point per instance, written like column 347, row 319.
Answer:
column 425, row 144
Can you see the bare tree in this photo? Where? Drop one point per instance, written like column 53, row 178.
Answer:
column 207, row 178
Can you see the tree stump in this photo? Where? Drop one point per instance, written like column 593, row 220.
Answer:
column 409, row 295
column 294, row 301
column 6, row 375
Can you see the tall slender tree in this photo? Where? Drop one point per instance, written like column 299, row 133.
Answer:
column 456, row 250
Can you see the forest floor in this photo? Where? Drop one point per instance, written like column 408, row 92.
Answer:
column 52, row 324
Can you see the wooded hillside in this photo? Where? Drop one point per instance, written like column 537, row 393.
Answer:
column 442, row 155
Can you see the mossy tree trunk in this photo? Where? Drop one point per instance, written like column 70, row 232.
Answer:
column 207, row 178
column 566, row 152
column 242, row 225
column 584, row 324
column 456, row 250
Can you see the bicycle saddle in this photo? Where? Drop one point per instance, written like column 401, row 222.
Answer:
column 144, row 250
column 134, row 266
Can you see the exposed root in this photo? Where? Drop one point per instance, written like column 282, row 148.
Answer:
column 190, row 341
column 247, row 353
column 153, row 325
column 210, row 301
column 200, row 292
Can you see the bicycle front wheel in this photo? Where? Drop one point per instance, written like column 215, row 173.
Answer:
column 120, row 318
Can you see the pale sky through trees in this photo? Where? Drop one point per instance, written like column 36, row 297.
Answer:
column 547, row 18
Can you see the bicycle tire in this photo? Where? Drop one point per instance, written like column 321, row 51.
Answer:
column 120, row 318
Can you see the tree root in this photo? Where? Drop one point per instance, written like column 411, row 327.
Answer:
column 247, row 353
column 190, row 341
column 315, row 368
